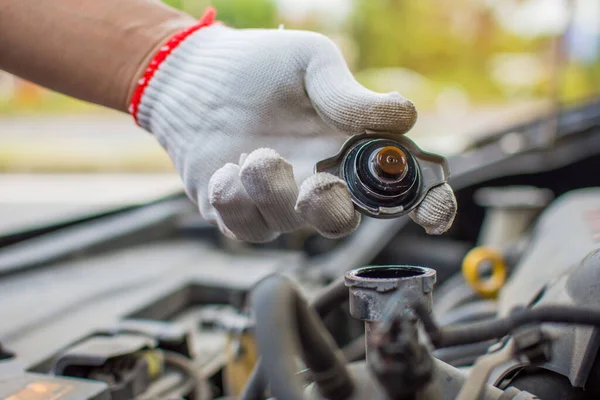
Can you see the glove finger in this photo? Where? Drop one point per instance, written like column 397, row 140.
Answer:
column 235, row 208
column 269, row 181
column 223, row 228
column 437, row 211
column 325, row 204
column 344, row 103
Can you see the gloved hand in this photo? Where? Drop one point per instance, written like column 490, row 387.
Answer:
column 245, row 114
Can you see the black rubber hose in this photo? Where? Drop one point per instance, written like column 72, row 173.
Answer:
column 286, row 326
column 461, row 356
column 497, row 328
column 327, row 300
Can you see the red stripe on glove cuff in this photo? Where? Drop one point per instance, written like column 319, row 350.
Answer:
column 206, row 20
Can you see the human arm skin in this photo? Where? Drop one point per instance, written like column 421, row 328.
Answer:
column 93, row 50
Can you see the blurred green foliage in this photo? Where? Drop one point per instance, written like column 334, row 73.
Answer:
column 247, row 14
column 237, row 13
column 449, row 42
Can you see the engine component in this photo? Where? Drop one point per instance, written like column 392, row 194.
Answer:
column 516, row 348
column 509, row 211
column 168, row 336
column 447, row 378
column 562, row 267
column 373, row 288
column 387, row 175
column 533, row 344
column 133, row 367
column 276, row 302
column 500, row 327
column 17, row 384
column 327, row 300
column 240, row 348
column 402, row 365
column 190, row 384
column 487, row 287
column 44, row 387
column 548, row 385
column 384, row 297
column 530, row 345
column 122, row 361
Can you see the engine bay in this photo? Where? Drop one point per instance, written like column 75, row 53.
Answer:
column 150, row 302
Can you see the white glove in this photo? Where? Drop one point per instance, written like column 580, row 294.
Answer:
column 236, row 109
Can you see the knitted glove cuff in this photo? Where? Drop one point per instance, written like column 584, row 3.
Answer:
column 207, row 19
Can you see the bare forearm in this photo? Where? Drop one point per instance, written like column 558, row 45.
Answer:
column 89, row 49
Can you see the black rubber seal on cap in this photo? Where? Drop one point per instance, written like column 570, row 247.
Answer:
column 359, row 177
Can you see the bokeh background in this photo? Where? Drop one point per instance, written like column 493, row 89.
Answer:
column 469, row 65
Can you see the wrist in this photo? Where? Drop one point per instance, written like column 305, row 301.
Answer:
column 158, row 54
column 151, row 39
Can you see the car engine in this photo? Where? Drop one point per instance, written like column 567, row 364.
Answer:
column 150, row 302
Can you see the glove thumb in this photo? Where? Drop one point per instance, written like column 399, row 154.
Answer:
column 347, row 105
